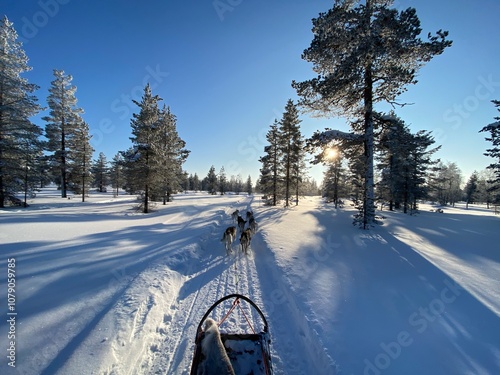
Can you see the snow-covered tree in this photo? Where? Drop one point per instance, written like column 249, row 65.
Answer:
column 132, row 172
column 222, row 181
column 470, row 189
column 309, row 187
column 404, row 160
column 235, row 184
column 270, row 179
column 194, row 182
column 494, row 151
column 249, row 186
column 422, row 165
column 144, row 126
column 486, row 187
column 446, row 182
column 80, row 160
column 210, row 184
column 100, row 172
column 283, row 165
column 170, row 152
column 20, row 145
column 364, row 54
column 334, row 186
column 291, row 144
column 62, row 124
column 116, row 173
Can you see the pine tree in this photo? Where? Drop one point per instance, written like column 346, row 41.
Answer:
column 421, row 165
column 132, row 172
column 494, row 152
column 222, row 181
column 446, row 182
column 291, row 145
column 100, row 173
column 470, row 189
column 364, row 54
column 393, row 159
column 62, row 124
column 235, row 184
column 170, row 152
column 269, row 181
column 116, row 173
column 144, row 130
column 20, row 145
column 333, row 182
column 404, row 162
column 211, row 181
column 485, row 187
column 249, row 186
column 80, row 156
column 196, row 183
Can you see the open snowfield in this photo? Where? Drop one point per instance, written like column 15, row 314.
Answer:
column 102, row 289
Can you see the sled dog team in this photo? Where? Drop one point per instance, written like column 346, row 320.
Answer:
column 229, row 235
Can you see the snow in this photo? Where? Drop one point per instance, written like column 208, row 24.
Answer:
column 103, row 289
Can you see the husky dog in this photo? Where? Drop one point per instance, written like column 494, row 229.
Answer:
column 241, row 224
column 216, row 361
column 252, row 225
column 249, row 215
column 228, row 238
column 245, row 238
column 235, row 215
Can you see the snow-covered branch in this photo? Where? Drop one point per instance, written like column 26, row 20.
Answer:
column 327, row 136
column 492, row 126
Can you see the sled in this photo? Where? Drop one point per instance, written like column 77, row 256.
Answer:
column 249, row 352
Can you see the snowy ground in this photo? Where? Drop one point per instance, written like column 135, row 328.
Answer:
column 102, row 289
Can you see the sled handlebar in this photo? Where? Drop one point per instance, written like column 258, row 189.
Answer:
column 237, row 297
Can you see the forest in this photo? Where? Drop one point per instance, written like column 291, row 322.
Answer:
column 381, row 163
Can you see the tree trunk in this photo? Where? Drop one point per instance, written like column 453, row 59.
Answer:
column 2, row 188
column 64, row 182
column 287, row 179
column 368, row 201
column 275, row 178
column 146, row 199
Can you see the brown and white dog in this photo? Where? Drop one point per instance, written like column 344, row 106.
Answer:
column 228, row 238
column 245, row 238
column 216, row 361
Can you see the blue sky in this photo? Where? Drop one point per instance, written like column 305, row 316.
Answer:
column 225, row 68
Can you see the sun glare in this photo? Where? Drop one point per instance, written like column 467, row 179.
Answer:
column 331, row 153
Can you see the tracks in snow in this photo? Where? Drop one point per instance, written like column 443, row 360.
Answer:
column 218, row 275
column 161, row 338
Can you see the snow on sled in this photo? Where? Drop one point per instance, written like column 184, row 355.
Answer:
column 235, row 353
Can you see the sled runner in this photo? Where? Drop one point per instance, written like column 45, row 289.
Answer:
column 249, row 353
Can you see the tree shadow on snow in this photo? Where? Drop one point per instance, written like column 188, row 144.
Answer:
column 383, row 291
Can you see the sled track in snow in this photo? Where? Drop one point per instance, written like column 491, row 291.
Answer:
column 218, row 276
column 257, row 276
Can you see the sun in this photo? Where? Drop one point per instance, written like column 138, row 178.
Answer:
column 331, row 153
